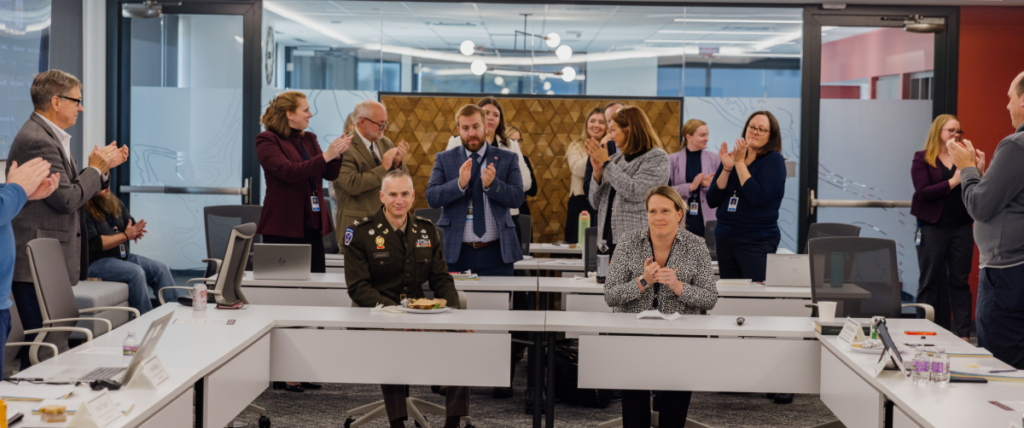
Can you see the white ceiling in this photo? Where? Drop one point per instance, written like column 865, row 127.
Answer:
column 435, row 30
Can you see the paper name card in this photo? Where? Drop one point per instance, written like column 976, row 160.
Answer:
column 852, row 332
column 880, row 365
column 655, row 314
column 98, row 411
column 204, row 321
column 152, row 375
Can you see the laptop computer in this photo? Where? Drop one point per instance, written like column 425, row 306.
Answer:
column 121, row 375
column 281, row 261
column 788, row 270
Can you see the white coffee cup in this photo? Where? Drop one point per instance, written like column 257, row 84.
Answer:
column 827, row 311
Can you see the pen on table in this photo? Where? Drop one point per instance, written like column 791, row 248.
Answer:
column 1003, row 371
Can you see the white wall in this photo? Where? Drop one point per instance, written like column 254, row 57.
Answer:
column 634, row 77
column 94, row 76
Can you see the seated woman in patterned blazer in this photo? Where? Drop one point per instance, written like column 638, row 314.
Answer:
column 662, row 267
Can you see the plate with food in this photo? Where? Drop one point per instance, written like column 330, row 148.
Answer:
column 427, row 306
column 874, row 346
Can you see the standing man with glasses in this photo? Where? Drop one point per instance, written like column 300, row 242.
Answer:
column 57, row 100
column 362, row 170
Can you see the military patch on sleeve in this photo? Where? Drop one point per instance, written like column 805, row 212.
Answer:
column 348, row 235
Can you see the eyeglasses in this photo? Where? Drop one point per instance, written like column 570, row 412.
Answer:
column 380, row 126
column 77, row 100
column 757, row 131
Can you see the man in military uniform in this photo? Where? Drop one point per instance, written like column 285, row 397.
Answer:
column 393, row 253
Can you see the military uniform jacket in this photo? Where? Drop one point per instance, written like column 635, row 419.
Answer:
column 378, row 269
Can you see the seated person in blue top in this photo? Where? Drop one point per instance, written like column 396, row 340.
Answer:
column 110, row 227
column 665, row 268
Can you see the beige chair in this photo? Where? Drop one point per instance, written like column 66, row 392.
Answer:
column 16, row 339
column 227, row 287
column 415, row 406
column 56, row 298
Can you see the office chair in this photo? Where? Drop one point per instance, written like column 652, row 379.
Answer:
column 830, row 230
column 16, row 339
column 859, row 274
column 330, row 239
column 709, row 238
column 432, row 214
column 227, row 288
column 56, row 298
column 415, row 406
column 525, row 232
column 218, row 221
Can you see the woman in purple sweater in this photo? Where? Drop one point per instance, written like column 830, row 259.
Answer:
column 691, row 172
column 945, row 237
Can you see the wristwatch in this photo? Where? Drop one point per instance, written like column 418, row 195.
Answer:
column 642, row 282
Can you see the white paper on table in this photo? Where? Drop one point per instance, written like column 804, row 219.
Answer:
column 393, row 309
column 25, row 391
column 962, row 349
column 73, row 404
column 591, row 278
column 654, row 313
column 204, row 321
column 734, row 282
column 91, row 350
column 961, row 369
column 526, row 257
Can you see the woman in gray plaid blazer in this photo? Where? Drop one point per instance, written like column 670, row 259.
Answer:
column 620, row 183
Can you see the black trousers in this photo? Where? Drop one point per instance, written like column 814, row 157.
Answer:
column 672, row 407
column 1000, row 320
column 317, row 260
column 744, row 258
column 945, row 257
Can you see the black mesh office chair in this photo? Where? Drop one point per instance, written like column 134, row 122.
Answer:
column 709, row 237
column 831, row 230
column 525, row 232
column 218, row 221
column 330, row 239
column 56, row 298
column 859, row 274
column 432, row 214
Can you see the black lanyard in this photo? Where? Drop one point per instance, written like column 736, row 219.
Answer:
column 111, row 222
column 305, row 157
column 654, row 257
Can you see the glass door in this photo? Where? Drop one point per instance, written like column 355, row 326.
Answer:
column 183, row 110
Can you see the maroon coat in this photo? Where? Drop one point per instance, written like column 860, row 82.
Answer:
column 930, row 189
column 287, row 204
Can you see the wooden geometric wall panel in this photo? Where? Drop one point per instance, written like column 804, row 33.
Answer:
column 548, row 126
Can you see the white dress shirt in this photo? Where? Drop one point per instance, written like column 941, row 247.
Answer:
column 65, row 143
column 370, row 146
column 491, row 232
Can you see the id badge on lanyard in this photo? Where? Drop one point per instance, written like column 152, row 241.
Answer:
column 694, row 204
column 469, row 215
column 316, row 203
column 124, row 251
column 733, row 201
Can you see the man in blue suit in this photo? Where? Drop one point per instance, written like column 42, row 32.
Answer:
column 475, row 185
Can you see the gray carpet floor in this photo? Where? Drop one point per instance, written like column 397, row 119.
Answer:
column 326, row 407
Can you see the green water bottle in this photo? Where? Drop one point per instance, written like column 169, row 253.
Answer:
column 584, row 224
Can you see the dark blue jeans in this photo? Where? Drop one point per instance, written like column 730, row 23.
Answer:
column 5, row 329
column 744, row 258
column 138, row 272
column 484, row 261
column 999, row 314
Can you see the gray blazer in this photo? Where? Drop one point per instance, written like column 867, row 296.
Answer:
column 60, row 215
column 632, row 181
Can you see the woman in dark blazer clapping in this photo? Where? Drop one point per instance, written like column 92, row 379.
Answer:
column 945, row 240
column 295, row 168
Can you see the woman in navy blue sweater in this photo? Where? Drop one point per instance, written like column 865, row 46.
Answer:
column 747, row 193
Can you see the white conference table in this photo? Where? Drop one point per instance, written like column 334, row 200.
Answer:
column 545, row 263
column 555, row 249
column 233, row 364
column 329, row 289
column 752, row 300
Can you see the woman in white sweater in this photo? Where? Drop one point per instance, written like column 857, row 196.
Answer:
column 594, row 130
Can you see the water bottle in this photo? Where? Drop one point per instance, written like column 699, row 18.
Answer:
column 131, row 345
column 584, row 224
column 940, row 367
column 602, row 261
column 199, row 296
column 921, row 369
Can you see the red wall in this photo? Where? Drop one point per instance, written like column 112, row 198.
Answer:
column 991, row 55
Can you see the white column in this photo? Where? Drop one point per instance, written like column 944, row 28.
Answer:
column 94, row 75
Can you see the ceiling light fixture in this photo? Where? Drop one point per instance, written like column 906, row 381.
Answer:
column 568, row 74
column 478, row 67
column 553, row 40
column 275, row 7
column 716, row 42
column 547, row 86
column 563, row 52
column 500, row 81
column 743, row 21
column 467, row 47
column 731, row 33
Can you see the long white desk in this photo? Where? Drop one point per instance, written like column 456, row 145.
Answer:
column 330, row 290
column 233, row 364
column 543, row 263
column 555, row 249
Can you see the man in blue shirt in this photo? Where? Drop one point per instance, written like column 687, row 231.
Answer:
column 31, row 181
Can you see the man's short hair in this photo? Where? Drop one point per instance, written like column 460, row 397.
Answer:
column 469, row 110
column 610, row 104
column 396, row 173
column 363, row 109
column 1020, row 84
column 51, row 83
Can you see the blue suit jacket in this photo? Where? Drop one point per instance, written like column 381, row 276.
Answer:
column 506, row 192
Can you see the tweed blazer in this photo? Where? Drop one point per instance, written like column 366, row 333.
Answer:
column 357, row 188
column 689, row 257
column 632, row 181
column 59, row 216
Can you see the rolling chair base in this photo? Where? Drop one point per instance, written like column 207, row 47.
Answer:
column 690, row 423
column 414, row 405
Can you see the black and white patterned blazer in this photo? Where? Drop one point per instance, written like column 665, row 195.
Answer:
column 631, row 180
column 689, row 256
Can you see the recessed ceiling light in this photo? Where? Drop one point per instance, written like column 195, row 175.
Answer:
column 716, row 42
column 743, row 21
column 731, row 33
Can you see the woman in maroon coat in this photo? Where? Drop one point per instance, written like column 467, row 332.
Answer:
column 295, row 168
